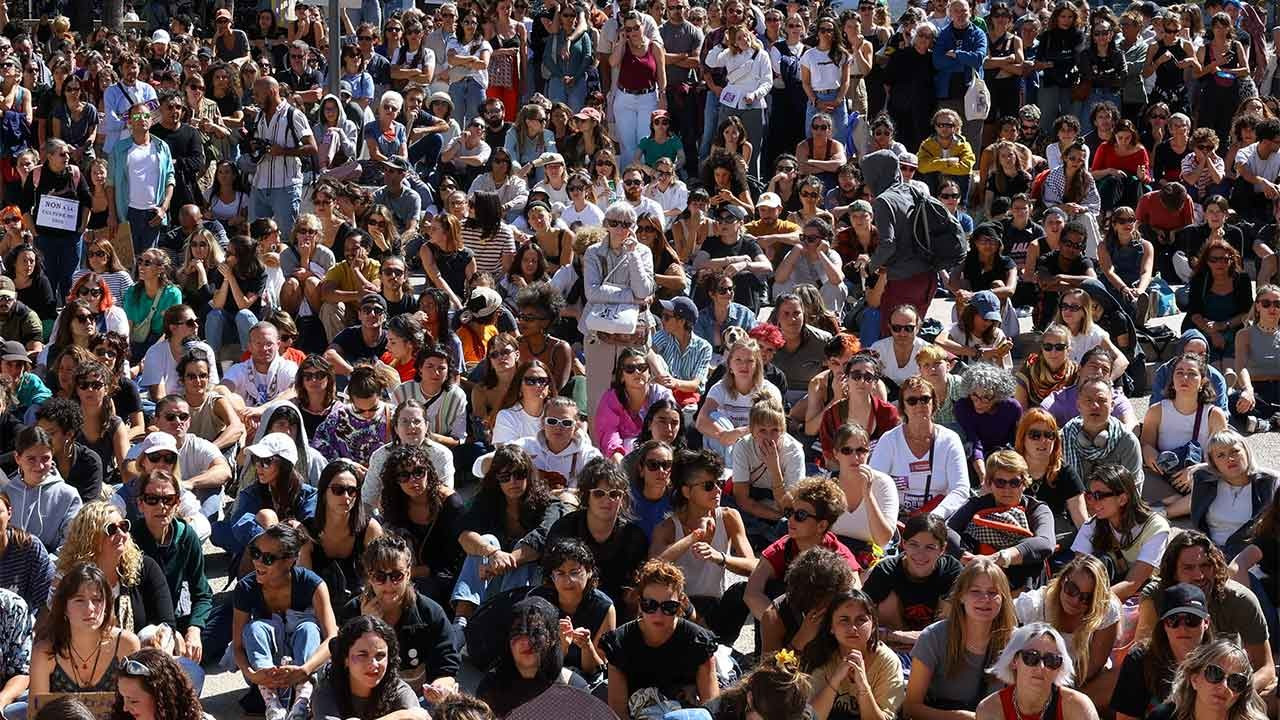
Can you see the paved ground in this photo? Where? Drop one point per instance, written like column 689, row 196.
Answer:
column 222, row 689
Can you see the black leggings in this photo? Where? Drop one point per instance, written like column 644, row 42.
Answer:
column 1266, row 402
column 723, row 615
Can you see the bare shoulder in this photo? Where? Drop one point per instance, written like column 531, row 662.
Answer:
column 1075, row 704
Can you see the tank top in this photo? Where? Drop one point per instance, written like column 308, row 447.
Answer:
column 1052, row 711
column 205, row 422
column 1127, row 259
column 60, row 682
column 1176, row 428
column 637, row 72
column 225, row 211
column 1169, row 76
column 702, row 578
column 1264, row 352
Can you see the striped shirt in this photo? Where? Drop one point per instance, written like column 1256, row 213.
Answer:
column 690, row 363
column 117, row 282
column 284, row 171
column 489, row 251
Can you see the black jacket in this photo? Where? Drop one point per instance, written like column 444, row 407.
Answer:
column 1204, row 488
column 425, row 636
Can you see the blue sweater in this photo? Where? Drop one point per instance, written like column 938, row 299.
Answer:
column 970, row 45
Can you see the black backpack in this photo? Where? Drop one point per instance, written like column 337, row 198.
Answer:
column 936, row 234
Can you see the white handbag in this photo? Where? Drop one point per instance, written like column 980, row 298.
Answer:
column 613, row 318
column 977, row 99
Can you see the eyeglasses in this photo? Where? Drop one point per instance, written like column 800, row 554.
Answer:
column 618, row 224
column 167, row 500
column 918, row 400
column 634, row 369
column 372, row 309
column 1100, row 495
column 661, row 121
column 820, row 126
column 91, row 385
column 535, row 381
column 848, row 450
column 1037, row 435
column 574, row 575
column 566, row 423
column 1236, row 682
column 112, row 529
column 862, row 376
column 393, row 272
column 314, row 376
column 266, row 558
column 1006, row 483
column 1190, row 620
column 657, row 465
column 1123, row 220
column 1053, row 347
column 133, row 668
column 649, row 606
column 601, row 494
column 1033, row 658
column 530, row 317
column 416, row 474
column 810, row 194
column 344, row 490
column 501, row 353
column 798, row 514
column 633, row 182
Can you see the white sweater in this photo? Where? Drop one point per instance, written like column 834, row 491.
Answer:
column 947, row 476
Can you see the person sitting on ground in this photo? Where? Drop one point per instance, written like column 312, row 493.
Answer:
column 1025, row 685
column 159, row 375
column 1096, row 364
column 366, row 340
column 360, row 682
column 1095, row 437
column 40, row 501
column 265, row 377
column 1124, row 532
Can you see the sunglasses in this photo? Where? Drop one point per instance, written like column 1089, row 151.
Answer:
column 412, row 474
column 633, row 369
column 657, row 465
column 267, row 559
column 1218, row 260
column 513, row 476
column 1073, row 591
column 1180, row 619
column 345, row 490
column 1034, row 658
column 618, row 224
column 850, row 450
column 154, row 500
column 1099, row 495
column 1268, row 304
column 504, row 352
column 649, row 606
column 311, row 376
column 91, row 385
column 89, row 292
column 1054, row 347
column 1236, row 682
column 918, row 400
column 1037, row 435
column 264, row 462
column 380, row 577
column 537, row 381
column 799, row 515
column 949, row 196
column 1006, row 483
column 133, row 668
column 164, row 456
column 112, row 529
column 601, row 494
column 862, row 376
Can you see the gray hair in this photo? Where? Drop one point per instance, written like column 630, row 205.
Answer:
column 1019, row 640
column 56, row 146
column 926, row 28
column 621, row 210
column 393, row 96
column 1229, row 436
column 981, row 376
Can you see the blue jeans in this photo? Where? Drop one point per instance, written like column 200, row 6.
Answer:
column 145, row 235
column 710, row 111
column 280, row 204
column 266, row 642
column 215, row 325
column 468, row 98
column 61, row 258
column 1096, row 97
column 839, row 116
column 575, row 97
column 470, row 588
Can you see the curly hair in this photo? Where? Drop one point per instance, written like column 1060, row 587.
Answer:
column 660, row 572
column 824, row 494
column 83, row 535
column 569, row 549
column 167, row 685
column 1186, row 540
column 118, row 344
column 777, row 687
column 602, row 473
column 733, row 163
column 985, row 377
column 383, row 698
column 815, row 576
column 395, row 502
column 512, row 459
column 542, row 296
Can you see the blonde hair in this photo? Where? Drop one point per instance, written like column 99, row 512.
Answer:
column 1093, row 617
column 1001, row 627
column 757, row 376
column 83, row 535
column 1008, row 461
column 930, row 354
column 766, row 411
column 216, row 256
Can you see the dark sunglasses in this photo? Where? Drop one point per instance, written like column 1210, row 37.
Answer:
column 91, row 385
column 380, row 577
column 347, row 490
column 89, row 292
column 267, row 559
column 656, row 465
column 177, row 416
column 849, row 450
column 902, row 328
column 1180, row 619
column 1006, row 483
column 537, row 381
column 164, row 456
column 862, row 376
column 1236, row 682
column 798, row 515
column 649, row 606
column 513, row 476
column 1073, row 591
column 1054, row 347
column 636, row 368
column 115, row 528
column 1033, row 658
column 1038, row 435
column 154, row 500
column 1098, row 495
column 918, row 400
column 417, row 473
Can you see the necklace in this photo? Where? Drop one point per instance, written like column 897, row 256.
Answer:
column 82, row 663
column 1030, row 716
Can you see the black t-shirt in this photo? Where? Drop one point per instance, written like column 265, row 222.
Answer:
column 980, row 279
column 617, row 558
column 300, row 82
column 590, row 614
column 919, row 598
column 1131, row 695
column 251, row 285
column 748, row 290
column 1167, row 163
column 406, row 304
column 228, row 104
column 351, row 342
column 1017, row 242
column 669, row 667
column 497, row 137
column 1048, row 264
column 1066, row 486
column 453, row 267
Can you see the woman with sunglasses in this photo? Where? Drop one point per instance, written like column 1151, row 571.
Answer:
column 650, row 467
column 623, row 405
column 1219, row 301
column 1049, row 370
column 357, row 427
column 146, row 301
column 79, row 625
column 198, row 276
column 410, row 423
column 112, row 350
column 1124, row 532
column 871, row 496
column 1027, row 686
column 74, row 119
column 94, row 289
column 339, row 532
column 420, row 506
column 1053, row 482
column 280, row 659
column 1213, row 681
column 276, row 495
column 707, row 541
column 526, row 141
column 638, row 66
column 100, row 534
column 427, row 659
column 606, row 178
column 929, row 456
column 103, row 430
column 521, row 416
column 1256, row 398
column 856, row 398
column 1127, row 260
column 660, row 648
column 511, row 510
column 1003, row 524
column 100, row 258
column 605, row 499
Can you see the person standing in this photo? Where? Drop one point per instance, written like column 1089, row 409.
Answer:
column 638, row 67
column 682, row 40
column 142, row 182
column 912, row 280
column 960, row 52
column 59, row 244
column 186, row 145
column 287, row 137
column 118, row 101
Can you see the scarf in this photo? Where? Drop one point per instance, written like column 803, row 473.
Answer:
column 1039, row 380
column 1076, row 447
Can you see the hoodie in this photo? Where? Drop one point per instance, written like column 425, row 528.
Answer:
column 1164, row 373
column 440, row 457
column 315, row 461
column 44, row 511
column 346, row 134
column 891, row 212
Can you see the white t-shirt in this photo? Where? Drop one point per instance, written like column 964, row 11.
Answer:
column 458, row 72
column 884, row 349
column 948, row 475
column 259, row 388
column 1084, row 342
column 514, row 423
column 823, row 74
column 1264, row 168
column 144, row 176
column 855, row 524
column 749, row 468
column 737, row 410
column 590, row 215
column 1029, row 607
column 160, row 366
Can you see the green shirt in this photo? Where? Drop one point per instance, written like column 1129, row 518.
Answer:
column 183, row 563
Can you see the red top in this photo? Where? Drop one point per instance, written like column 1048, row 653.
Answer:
column 1106, row 158
column 884, row 417
column 1151, row 211
column 783, row 550
column 1053, row 711
column 638, row 72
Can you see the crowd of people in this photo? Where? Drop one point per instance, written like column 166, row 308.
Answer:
column 535, row 362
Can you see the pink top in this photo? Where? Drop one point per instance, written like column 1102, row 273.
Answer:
column 616, row 427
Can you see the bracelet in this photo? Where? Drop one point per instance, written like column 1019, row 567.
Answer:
column 724, row 559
